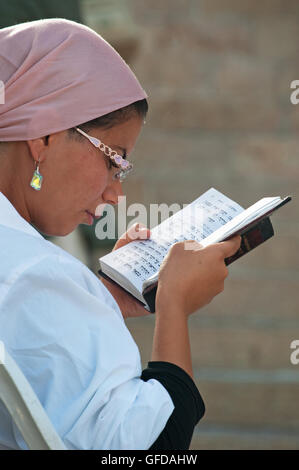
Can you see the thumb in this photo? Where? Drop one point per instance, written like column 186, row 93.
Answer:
column 231, row 246
column 135, row 232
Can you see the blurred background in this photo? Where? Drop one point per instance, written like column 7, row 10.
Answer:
column 218, row 76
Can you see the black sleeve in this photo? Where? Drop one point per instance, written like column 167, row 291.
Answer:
column 189, row 406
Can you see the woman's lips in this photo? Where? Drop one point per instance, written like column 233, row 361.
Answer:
column 97, row 215
column 91, row 217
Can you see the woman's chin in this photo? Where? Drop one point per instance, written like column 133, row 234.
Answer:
column 61, row 231
column 62, row 228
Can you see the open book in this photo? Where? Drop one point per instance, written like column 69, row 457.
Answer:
column 211, row 218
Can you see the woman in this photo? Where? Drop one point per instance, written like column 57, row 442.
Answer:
column 63, row 326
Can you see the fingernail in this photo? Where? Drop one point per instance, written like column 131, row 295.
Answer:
column 144, row 232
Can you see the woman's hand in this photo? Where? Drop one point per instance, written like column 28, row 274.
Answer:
column 202, row 272
column 190, row 277
column 128, row 304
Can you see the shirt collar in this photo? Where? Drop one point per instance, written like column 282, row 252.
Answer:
column 10, row 217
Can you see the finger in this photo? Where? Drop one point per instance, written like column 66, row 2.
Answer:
column 138, row 230
column 230, row 247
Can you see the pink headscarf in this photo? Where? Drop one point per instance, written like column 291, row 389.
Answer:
column 58, row 74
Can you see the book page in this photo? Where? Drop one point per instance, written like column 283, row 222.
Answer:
column 141, row 259
column 241, row 220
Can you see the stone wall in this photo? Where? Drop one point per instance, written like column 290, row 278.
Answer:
column 218, row 76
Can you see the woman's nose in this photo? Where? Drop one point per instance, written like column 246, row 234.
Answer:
column 113, row 192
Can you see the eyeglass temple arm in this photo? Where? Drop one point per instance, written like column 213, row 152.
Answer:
column 96, row 142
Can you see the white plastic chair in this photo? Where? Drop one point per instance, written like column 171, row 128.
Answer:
column 25, row 408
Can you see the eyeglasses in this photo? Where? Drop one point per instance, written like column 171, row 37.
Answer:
column 125, row 166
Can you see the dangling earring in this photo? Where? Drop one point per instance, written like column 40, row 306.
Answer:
column 36, row 182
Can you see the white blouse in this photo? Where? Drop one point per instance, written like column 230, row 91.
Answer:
column 67, row 334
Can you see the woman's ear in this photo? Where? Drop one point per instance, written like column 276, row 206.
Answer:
column 36, row 148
